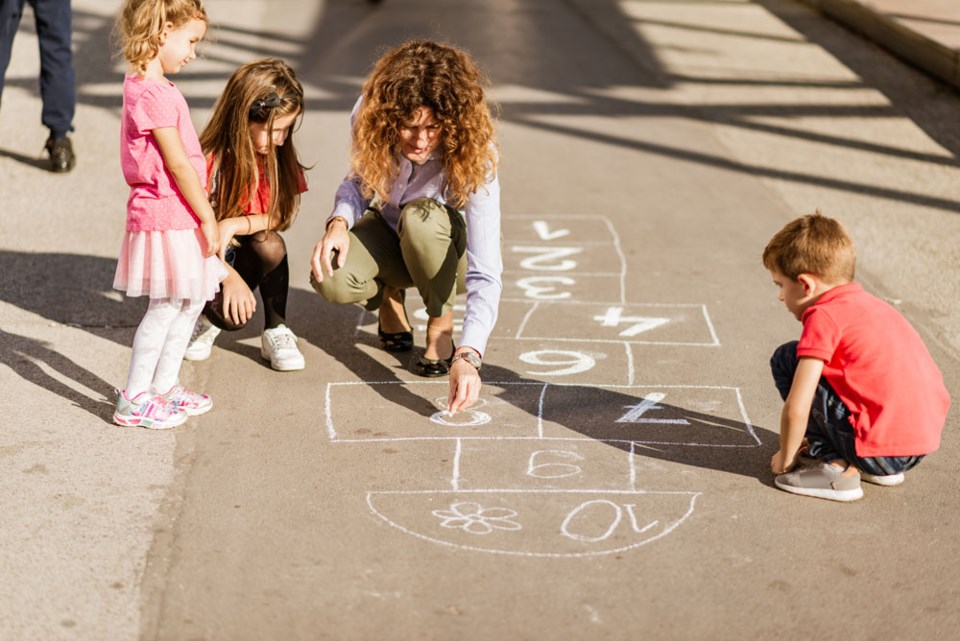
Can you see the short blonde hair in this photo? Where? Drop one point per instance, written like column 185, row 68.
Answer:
column 141, row 22
column 812, row 244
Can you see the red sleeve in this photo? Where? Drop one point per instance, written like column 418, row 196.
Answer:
column 303, row 182
column 820, row 337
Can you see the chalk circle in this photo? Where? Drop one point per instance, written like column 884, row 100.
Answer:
column 469, row 417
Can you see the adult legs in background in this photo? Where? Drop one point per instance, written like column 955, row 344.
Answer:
column 54, row 20
column 10, row 13
column 57, row 76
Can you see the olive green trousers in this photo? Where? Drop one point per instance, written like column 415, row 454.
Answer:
column 428, row 251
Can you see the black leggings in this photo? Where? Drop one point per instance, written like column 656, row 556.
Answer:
column 261, row 261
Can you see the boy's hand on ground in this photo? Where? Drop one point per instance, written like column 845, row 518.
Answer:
column 780, row 463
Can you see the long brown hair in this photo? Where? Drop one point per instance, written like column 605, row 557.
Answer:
column 417, row 74
column 140, row 25
column 259, row 91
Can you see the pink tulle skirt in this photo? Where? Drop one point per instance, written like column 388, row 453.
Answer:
column 168, row 264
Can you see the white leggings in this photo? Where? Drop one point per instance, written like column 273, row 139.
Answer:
column 160, row 343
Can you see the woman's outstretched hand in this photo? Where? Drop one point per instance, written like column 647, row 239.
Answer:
column 334, row 246
column 464, row 386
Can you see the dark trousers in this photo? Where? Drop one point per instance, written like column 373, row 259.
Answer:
column 58, row 81
column 829, row 431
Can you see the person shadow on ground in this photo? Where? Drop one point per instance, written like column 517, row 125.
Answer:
column 72, row 290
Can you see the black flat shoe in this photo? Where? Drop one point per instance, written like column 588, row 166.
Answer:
column 429, row 368
column 395, row 342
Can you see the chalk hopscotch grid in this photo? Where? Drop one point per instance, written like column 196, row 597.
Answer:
column 631, row 463
column 667, row 530
column 332, row 432
column 632, row 444
column 714, row 339
column 617, row 245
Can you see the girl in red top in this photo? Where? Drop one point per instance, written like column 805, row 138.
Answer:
column 254, row 181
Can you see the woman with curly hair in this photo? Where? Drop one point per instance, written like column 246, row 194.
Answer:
column 420, row 208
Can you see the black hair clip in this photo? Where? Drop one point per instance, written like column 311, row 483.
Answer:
column 260, row 109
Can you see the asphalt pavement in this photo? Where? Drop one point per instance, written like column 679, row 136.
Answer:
column 613, row 483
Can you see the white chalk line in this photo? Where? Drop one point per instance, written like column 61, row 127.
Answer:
column 455, row 479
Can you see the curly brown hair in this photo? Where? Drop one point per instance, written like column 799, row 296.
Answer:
column 259, row 91
column 417, row 74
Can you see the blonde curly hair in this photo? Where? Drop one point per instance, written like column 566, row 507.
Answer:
column 140, row 25
column 417, row 74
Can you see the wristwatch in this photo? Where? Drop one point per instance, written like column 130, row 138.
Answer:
column 470, row 357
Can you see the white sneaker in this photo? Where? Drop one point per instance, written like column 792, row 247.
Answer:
column 201, row 342
column 888, row 480
column 279, row 346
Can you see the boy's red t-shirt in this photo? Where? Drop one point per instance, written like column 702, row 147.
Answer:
column 878, row 365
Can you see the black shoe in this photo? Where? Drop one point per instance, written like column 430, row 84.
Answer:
column 430, row 368
column 397, row 341
column 62, row 158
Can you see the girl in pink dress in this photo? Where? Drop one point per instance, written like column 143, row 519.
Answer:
column 170, row 247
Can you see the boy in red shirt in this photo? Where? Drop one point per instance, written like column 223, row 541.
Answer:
column 862, row 396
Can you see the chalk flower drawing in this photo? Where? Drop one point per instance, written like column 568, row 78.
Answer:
column 476, row 519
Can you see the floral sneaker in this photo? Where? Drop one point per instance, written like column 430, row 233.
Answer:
column 147, row 410
column 191, row 403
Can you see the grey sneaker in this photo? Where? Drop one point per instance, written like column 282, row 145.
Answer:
column 279, row 346
column 887, row 480
column 823, row 481
column 201, row 342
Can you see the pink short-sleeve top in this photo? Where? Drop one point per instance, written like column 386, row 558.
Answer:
column 155, row 202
